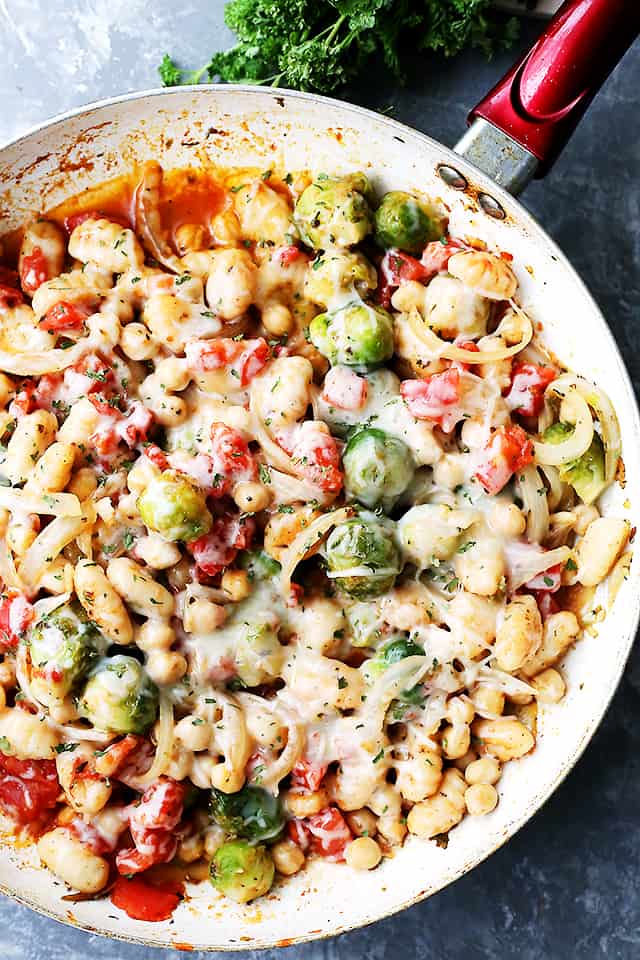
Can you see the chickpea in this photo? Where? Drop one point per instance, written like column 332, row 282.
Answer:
column 202, row 616
column 456, row 740
column 549, row 686
column 193, row 733
column 277, row 319
column 482, row 568
column 305, row 804
column 484, row 770
column 83, row 483
column 362, row 822
column 488, row 700
column 251, row 497
column 363, row 853
column 287, row 857
column 507, row 519
column 460, row 710
column 480, row 799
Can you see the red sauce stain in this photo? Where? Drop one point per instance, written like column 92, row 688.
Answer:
column 183, row 946
column 190, row 196
column 142, row 900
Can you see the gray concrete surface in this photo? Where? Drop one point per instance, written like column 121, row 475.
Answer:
column 567, row 885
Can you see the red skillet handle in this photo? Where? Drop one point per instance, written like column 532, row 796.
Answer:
column 540, row 101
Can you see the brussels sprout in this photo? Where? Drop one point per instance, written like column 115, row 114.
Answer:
column 377, row 467
column 364, row 621
column 259, row 654
column 402, row 221
column 334, row 272
column 364, row 549
column 357, row 335
column 63, row 646
column 119, row 696
column 394, row 650
column 173, row 507
column 586, row 474
column 258, row 564
column 240, row 871
column 333, row 212
column 430, row 532
column 252, row 813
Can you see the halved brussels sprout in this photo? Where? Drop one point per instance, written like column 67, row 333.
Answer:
column 402, row 221
column 377, row 467
column 335, row 271
column 259, row 654
column 252, row 813
column 363, row 557
column 175, row 508
column 119, row 696
column 586, row 474
column 63, row 645
column 392, row 651
column 358, row 335
column 430, row 532
column 334, row 212
column 240, row 871
column 258, row 564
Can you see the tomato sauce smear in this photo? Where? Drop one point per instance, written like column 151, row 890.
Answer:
column 142, row 900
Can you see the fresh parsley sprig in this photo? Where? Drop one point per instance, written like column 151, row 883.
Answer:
column 321, row 45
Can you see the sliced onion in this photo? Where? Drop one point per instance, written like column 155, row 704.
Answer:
column 38, row 362
column 534, row 497
column 164, row 746
column 307, row 538
column 284, row 763
column 50, row 542
column 437, row 348
column 577, row 442
column 401, row 676
column 289, row 489
column 8, row 572
column 362, row 571
column 609, row 425
column 500, row 680
column 526, row 560
column 556, row 488
column 148, row 220
column 53, row 504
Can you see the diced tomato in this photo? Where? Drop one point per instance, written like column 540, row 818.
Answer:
column 136, row 425
column 314, row 453
column 508, row 449
column 152, row 823
column 329, row 833
column 435, row 398
column 528, row 384
column 102, row 834
column 34, row 271
column 157, row 456
column 24, row 401
column 296, row 595
column 547, row 604
column 28, row 788
column 436, row 255
column 343, row 388
column 298, row 832
column 141, row 900
column 290, row 254
column 397, row 266
column 64, row 316
column 9, row 297
column 218, row 548
column 307, row 776
column 137, row 763
column 105, row 441
column 549, row 581
column 244, row 358
column 231, row 453
column 16, row 613
column 160, row 807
